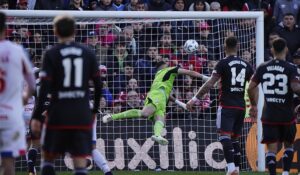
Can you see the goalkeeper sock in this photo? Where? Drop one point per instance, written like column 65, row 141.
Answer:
column 271, row 162
column 158, row 127
column 133, row 113
column 100, row 161
column 31, row 159
column 287, row 159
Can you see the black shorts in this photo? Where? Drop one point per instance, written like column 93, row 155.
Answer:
column 76, row 142
column 230, row 121
column 278, row 133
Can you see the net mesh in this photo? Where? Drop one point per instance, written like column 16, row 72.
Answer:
column 127, row 50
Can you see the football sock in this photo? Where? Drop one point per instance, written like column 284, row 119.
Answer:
column 100, row 161
column 158, row 127
column 47, row 168
column 133, row 113
column 228, row 152
column 287, row 159
column 237, row 153
column 80, row 171
column 108, row 173
column 31, row 159
column 271, row 162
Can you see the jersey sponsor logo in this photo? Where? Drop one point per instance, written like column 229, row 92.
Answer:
column 275, row 100
column 71, row 94
column 236, row 89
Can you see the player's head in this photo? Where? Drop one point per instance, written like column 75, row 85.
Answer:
column 2, row 22
column 231, row 44
column 64, row 26
column 161, row 64
column 279, row 47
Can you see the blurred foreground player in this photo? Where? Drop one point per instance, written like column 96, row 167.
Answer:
column 67, row 69
column 15, row 69
column 279, row 80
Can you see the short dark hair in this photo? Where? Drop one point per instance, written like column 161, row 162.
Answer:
column 279, row 45
column 160, row 63
column 65, row 26
column 2, row 22
column 231, row 42
column 288, row 14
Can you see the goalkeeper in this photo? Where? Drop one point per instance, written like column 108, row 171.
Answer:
column 156, row 100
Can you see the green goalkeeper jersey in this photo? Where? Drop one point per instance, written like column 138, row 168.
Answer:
column 164, row 78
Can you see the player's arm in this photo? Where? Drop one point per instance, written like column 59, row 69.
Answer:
column 95, row 76
column 253, row 96
column 192, row 74
column 46, row 81
column 203, row 90
column 29, row 78
column 178, row 102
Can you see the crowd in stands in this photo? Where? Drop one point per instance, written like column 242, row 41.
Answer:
column 128, row 52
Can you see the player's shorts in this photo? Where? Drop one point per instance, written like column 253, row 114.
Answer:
column 230, row 121
column 76, row 142
column 157, row 98
column 13, row 141
column 278, row 133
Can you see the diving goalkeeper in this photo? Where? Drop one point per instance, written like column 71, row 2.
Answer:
column 156, row 100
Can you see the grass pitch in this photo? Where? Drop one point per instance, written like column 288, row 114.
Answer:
column 157, row 173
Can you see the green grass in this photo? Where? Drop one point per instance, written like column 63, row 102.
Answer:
column 159, row 173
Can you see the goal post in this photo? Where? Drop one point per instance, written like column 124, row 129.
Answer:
column 126, row 144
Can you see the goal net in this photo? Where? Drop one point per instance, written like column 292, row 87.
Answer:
column 127, row 47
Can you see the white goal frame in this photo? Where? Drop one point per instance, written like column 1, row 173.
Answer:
column 258, row 16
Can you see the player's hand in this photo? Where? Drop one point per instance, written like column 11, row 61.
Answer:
column 36, row 127
column 25, row 97
column 189, row 105
column 253, row 112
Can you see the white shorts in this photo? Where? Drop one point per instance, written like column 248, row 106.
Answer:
column 12, row 141
column 95, row 131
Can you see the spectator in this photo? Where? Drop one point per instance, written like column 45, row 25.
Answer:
column 105, row 5
column 22, row 5
column 141, row 6
column 93, row 4
column 4, row 4
column 117, row 106
column 144, row 67
column 49, row 5
column 158, row 5
column 76, row 5
column 132, row 85
column 179, row 5
column 94, row 44
column 269, row 23
column 283, row 7
column 118, row 5
column 37, row 46
column 199, row 5
column 268, row 54
column 120, row 81
column 103, row 106
column 132, row 45
column 133, row 101
column 165, row 44
column 288, row 30
column 116, row 62
column 232, row 5
column 105, row 90
column 131, row 5
column 215, row 6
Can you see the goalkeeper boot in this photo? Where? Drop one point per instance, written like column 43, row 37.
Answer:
column 107, row 118
column 160, row 140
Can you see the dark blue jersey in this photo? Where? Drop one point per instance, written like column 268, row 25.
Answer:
column 275, row 77
column 234, row 73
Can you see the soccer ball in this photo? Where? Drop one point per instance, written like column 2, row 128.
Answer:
column 190, row 46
